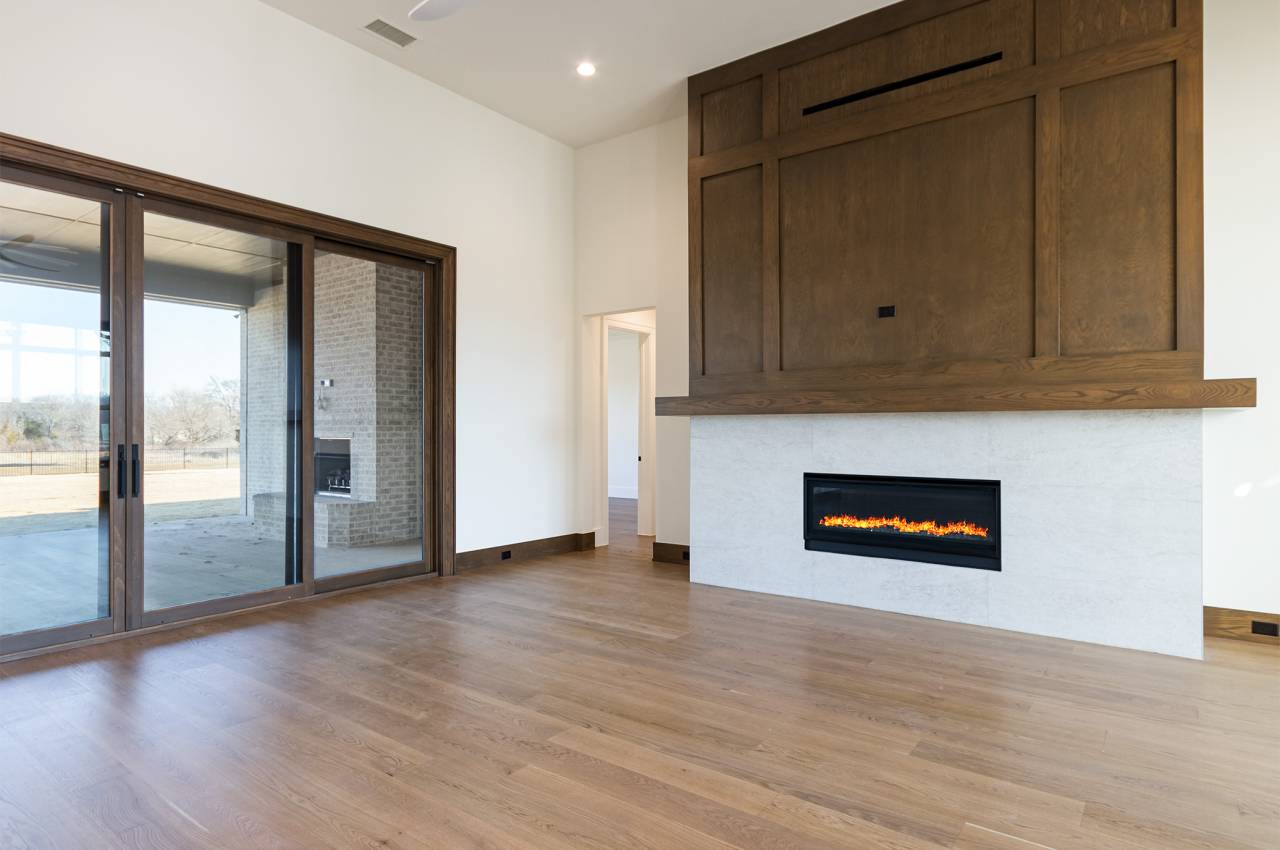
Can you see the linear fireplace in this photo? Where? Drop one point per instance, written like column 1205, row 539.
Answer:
column 936, row 520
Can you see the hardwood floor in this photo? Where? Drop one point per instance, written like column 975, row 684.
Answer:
column 598, row 700
column 622, row 529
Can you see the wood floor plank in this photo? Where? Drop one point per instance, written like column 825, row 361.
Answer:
column 598, row 700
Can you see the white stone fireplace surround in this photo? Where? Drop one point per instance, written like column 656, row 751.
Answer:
column 1100, row 527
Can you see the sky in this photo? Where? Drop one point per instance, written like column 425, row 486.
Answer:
column 49, row 343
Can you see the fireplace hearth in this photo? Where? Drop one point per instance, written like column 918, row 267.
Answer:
column 935, row 520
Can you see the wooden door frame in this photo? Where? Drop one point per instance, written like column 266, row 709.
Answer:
column 137, row 206
column 128, row 188
column 428, row 564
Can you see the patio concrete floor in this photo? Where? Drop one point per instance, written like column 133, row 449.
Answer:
column 51, row 577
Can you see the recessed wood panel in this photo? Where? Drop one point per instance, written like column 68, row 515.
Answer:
column 1117, row 230
column 732, row 238
column 935, row 221
column 939, row 44
column 1094, row 23
column 732, row 116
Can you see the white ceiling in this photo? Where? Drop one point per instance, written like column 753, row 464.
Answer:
column 518, row 56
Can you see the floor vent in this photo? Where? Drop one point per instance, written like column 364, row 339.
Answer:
column 398, row 37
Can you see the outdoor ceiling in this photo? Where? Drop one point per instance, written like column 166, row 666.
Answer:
column 518, row 56
column 43, row 234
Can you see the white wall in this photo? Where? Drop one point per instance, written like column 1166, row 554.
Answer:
column 624, row 414
column 632, row 251
column 1242, row 301
column 239, row 95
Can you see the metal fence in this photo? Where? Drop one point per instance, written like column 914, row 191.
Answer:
column 157, row 459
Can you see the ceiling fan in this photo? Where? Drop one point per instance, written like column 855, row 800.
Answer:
column 27, row 253
column 434, row 10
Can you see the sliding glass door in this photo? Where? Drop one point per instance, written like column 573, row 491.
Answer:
column 369, row 359
column 219, row 352
column 60, row 507
column 201, row 412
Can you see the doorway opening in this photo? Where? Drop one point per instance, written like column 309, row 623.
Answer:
column 622, row 426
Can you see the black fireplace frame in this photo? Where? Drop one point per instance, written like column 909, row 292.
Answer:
column 948, row 552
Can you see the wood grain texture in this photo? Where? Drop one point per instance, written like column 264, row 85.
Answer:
column 594, row 700
column 1087, row 67
column 1048, row 172
column 1118, row 281
column 1229, row 392
column 1095, row 23
column 1115, row 180
column 1150, row 367
column 981, row 29
column 1238, row 625
column 733, row 116
column 936, row 220
column 732, row 272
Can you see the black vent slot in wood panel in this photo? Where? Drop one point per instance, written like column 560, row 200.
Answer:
column 906, row 82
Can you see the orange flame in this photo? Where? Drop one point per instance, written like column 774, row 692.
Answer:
column 906, row 526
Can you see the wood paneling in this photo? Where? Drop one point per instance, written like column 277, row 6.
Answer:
column 1117, row 271
column 597, row 700
column 979, row 30
column 732, row 116
column 1094, row 23
column 1175, row 46
column 936, row 221
column 1240, row 625
column 1227, row 392
column 1042, row 209
column 732, row 268
column 1162, row 367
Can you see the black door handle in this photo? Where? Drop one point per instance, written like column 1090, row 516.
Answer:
column 137, row 478
column 120, row 470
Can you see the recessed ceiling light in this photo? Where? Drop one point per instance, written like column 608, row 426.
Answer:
column 586, row 69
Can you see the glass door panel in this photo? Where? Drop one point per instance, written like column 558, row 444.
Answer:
column 216, row 488
column 368, row 414
column 55, row 410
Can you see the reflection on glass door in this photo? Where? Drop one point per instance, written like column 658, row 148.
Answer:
column 55, row 396
column 215, row 455
column 368, row 369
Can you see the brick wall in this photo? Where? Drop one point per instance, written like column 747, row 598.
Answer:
column 369, row 342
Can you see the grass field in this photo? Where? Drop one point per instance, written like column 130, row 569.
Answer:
column 31, row 503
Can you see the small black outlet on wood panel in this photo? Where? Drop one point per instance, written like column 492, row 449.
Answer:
column 506, row 554
column 887, row 312
column 1262, row 627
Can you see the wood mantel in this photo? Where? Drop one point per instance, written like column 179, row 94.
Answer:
column 1188, row 394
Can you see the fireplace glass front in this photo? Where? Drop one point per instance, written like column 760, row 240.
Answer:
column 935, row 520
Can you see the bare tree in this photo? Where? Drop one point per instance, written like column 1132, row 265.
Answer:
column 225, row 393
column 186, row 417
